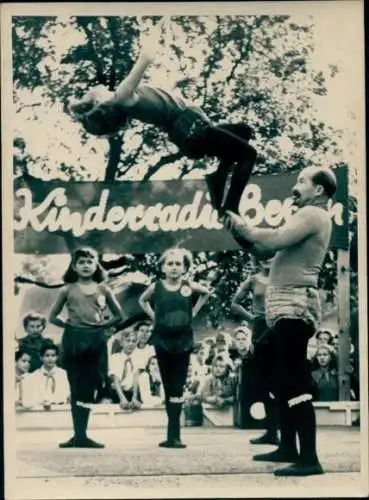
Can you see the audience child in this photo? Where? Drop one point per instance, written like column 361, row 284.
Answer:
column 144, row 350
column 92, row 310
column 22, row 364
column 192, row 400
column 150, row 384
column 220, row 344
column 243, row 347
column 210, row 343
column 34, row 325
column 325, row 377
column 335, row 343
column 324, row 337
column 124, row 372
column 198, row 361
column 114, row 343
column 219, row 388
column 49, row 384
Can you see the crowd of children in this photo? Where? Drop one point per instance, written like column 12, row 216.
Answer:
column 133, row 367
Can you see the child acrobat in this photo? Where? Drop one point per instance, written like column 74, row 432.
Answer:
column 169, row 304
column 88, row 303
column 103, row 113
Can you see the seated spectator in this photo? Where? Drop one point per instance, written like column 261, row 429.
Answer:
column 324, row 337
column 150, row 384
column 219, row 387
column 325, row 377
column 144, row 350
column 210, row 343
column 198, row 360
column 192, row 404
column 124, row 372
column 336, row 343
column 48, row 385
column 243, row 347
column 192, row 385
column 221, row 346
column 34, row 325
column 22, row 364
column 114, row 343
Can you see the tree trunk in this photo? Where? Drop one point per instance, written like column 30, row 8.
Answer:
column 115, row 144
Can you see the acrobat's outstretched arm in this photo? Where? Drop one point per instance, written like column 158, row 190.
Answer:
column 125, row 91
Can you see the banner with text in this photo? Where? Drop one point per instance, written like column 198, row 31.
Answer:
column 143, row 217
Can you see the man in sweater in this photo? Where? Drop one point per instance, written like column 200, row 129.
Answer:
column 293, row 311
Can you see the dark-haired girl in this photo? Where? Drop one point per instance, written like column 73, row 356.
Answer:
column 22, row 365
column 169, row 303
column 103, row 113
column 91, row 309
column 150, row 384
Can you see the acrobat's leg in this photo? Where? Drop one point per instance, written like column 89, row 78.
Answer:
column 232, row 149
column 216, row 182
column 240, row 178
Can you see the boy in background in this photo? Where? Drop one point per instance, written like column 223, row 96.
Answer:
column 144, row 350
column 48, row 385
column 123, row 368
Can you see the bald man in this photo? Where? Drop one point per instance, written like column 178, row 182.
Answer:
column 293, row 311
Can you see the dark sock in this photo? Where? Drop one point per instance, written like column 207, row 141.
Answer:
column 303, row 415
column 74, row 412
column 240, row 178
column 176, row 415
column 288, row 429
column 216, row 183
column 82, row 416
column 271, row 416
column 170, row 428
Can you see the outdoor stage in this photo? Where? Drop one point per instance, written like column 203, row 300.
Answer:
column 217, row 463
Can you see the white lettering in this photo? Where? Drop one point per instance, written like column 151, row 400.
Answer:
column 168, row 218
column 53, row 213
column 250, row 201
column 187, row 217
column 135, row 218
column 68, row 221
column 115, row 220
column 152, row 215
column 273, row 213
column 336, row 212
column 94, row 216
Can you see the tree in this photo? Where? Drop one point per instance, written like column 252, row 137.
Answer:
column 248, row 68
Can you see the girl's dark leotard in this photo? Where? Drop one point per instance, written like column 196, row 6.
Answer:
column 185, row 125
column 173, row 318
column 155, row 106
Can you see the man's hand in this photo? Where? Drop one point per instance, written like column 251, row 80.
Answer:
column 234, row 222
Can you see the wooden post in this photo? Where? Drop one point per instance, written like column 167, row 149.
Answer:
column 343, row 288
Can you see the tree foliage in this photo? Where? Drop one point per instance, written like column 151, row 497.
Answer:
column 255, row 69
